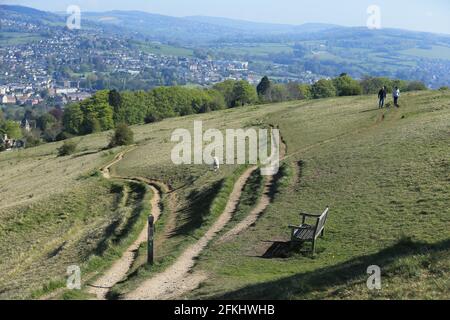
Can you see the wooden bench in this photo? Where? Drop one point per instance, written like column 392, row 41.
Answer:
column 309, row 232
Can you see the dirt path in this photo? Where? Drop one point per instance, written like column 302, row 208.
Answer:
column 177, row 280
column 120, row 268
column 260, row 207
column 253, row 216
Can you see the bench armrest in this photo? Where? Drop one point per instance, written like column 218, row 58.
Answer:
column 310, row 215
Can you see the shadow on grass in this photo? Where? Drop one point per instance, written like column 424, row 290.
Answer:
column 195, row 213
column 121, row 227
column 87, row 153
column 278, row 249
column 371, row 110
column 340, row 274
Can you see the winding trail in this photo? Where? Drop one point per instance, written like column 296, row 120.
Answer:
column 120, row 268
column 176, row 279
column 253, row 216
column 261, row 206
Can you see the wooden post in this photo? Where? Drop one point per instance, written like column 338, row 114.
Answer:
column 150, row 249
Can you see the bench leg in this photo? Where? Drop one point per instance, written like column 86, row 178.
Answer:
column 313, row 247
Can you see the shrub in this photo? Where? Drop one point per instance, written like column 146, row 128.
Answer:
column 153, row 117
column 123, row 136
column 69, row 147
column 64, row 136
column 346, row 86
column 323, row 89
column 416, row 86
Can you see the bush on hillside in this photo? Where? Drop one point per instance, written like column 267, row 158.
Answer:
column 153, row 117
column 346, row 86
column 323, row 89
column 123, row 136
column 416, row 86
column 69, row 147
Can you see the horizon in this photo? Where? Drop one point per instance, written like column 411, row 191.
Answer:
column 430, row 17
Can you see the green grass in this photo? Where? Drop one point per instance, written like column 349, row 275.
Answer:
column 164, row 49
column 384, row 173
column 256, row 50
column 384, row 180
column 436, row 52
column 40, row 240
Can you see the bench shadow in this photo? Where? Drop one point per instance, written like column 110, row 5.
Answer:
column 278, row 250
column 341, row 274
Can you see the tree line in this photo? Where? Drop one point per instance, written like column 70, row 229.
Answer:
column 107, row 109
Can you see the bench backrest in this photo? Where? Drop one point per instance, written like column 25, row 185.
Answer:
column 321, row 222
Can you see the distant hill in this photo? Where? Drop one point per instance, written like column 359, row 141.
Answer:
column 160, row 27
column 322, row 49
column 26, row 14
column 259, row 27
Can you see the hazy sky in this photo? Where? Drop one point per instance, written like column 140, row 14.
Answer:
column 424, row 15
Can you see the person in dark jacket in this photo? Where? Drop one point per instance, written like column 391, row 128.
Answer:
column 382, row 94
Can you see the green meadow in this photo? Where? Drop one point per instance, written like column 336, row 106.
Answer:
column 384, row 173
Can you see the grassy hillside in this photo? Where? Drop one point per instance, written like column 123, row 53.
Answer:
column 384, row 173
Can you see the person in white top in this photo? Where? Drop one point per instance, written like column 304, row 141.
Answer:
column 396, row 95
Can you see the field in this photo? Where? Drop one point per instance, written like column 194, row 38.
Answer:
column 164, row 49
column 435, row 52
column 15, row 38
column 384, row 173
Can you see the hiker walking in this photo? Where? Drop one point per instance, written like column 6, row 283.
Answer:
column 396, row 95
column 382, row 97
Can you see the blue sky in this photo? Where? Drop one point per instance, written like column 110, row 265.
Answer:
column 431, row 15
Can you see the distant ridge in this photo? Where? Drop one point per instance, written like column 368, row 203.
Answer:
column 262, row 26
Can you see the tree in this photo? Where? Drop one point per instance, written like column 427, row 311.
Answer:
column 243, row 93
column 73, row 119
column 122, row 136
column 45, row 121
column 278, row 93
column 323, row 89
column 371, row 85
column 57, row 113
column 226, row 89
column 263, row 87
column 305, row 91
column 215, row 100
column 346, row 86
column 12, row 129
column 114, row 100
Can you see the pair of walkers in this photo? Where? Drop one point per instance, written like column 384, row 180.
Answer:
column 382, row 94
